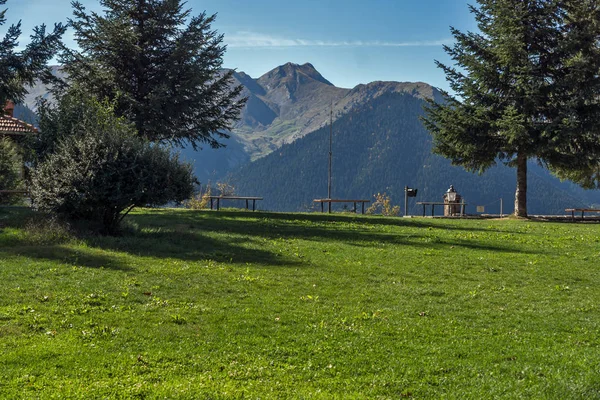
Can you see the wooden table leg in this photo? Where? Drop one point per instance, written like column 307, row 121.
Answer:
column 322, row 208
column 246, row 204
column 423, row 209
column 211, row 203
column 363, row 207
column 329, row 208
column 253, row 205
column 432, row 210
column 218, row 204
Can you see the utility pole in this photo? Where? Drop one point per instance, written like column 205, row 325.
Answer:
column 330, row 154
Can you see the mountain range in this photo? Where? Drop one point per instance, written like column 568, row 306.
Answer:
column 381, row 147
column 278, row 149
column 286, row 104
column 293, row 100
column 283, row 105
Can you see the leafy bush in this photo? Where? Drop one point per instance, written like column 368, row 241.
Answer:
column 10, row 165
column 200, row 201
column 225, row 189
column 383, row 203
column 75, row 112
column 100, row 170
column 46, row 230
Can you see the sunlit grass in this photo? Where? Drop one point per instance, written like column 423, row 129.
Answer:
column 190, row 304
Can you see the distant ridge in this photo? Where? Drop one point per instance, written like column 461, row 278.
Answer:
column 287, row 103
column 292, row 100
column 380, row 147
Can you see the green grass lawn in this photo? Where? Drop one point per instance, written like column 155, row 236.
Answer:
column 190, row 304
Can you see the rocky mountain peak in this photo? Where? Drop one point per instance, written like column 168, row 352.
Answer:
column 292, row 76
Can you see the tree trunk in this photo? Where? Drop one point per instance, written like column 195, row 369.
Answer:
column 521, row 193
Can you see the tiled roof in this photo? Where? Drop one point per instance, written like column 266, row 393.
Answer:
column 12, row 126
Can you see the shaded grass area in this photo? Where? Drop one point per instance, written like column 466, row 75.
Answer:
column 190, row 304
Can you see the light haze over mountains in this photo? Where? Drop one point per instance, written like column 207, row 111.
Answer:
column 278, row 148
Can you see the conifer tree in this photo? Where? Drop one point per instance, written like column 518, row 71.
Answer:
column 526, row 87
column 19, row 68
column 160, row 64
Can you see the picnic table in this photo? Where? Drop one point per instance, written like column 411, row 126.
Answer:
column 329, row 201
column 439, row 203
column 582, row 210
column 219, row 198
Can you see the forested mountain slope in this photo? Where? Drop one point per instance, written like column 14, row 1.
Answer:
column 382, row 146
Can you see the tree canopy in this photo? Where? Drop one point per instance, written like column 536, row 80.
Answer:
column 160, row 65
column 19, row 68
column 526, row 87
column 96, row 168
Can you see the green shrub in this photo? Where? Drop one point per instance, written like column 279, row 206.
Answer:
column 10, row 166
column 75, row 112
column 102, row 170
column 46, row 230
column 383, row 204
column 200, row 201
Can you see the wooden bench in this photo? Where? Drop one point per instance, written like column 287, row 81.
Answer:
column 329, row 201
column 582, row 210
column 219, row 198
column 438, row 203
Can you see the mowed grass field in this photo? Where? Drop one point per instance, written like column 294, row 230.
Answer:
column 225, row 305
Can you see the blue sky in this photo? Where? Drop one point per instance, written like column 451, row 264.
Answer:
column 348, row 41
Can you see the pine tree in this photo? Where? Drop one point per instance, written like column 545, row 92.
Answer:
column 161, row 65
column 21, row 68
column 526, row 88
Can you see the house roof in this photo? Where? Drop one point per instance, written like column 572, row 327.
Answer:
column 12, row 126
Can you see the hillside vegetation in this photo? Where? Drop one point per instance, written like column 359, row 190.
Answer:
column 382, row 147
column 225, row 305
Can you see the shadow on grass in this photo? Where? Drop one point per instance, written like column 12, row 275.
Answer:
column 38, row 238
column 191, row 245
column 318, row 217
column 315, row 227
column 65, row 255
column 179, row 241
column 192, row 236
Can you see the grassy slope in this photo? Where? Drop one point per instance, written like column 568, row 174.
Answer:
column 232, row 304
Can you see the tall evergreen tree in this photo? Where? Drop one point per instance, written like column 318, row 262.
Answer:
column 161, row 65
column 526, row 87
column 19, row 68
